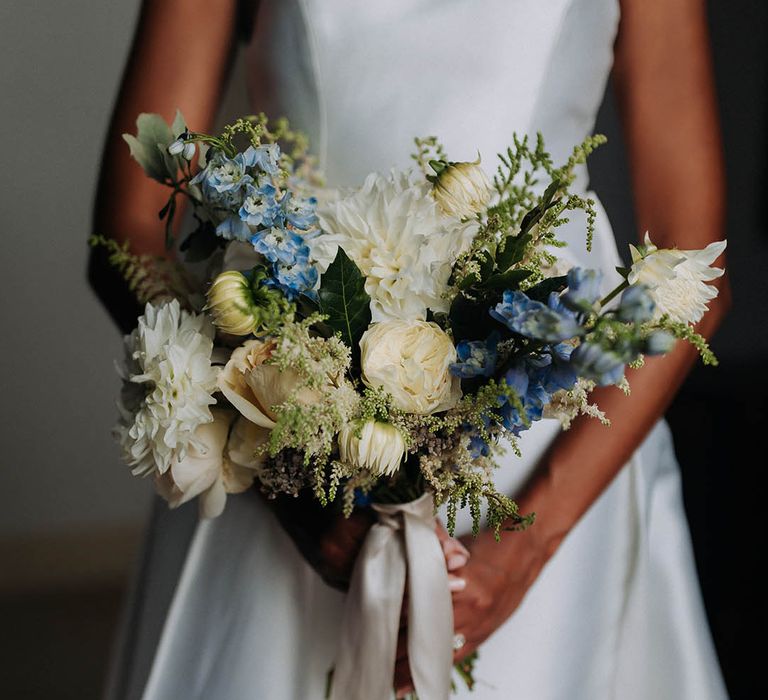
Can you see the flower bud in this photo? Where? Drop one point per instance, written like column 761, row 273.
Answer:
column 659, row 343
column 241, row 305
column 376, row 446
column 231, row 303
column 461, row 189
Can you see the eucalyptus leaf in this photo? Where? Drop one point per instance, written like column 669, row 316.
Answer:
column 343, row 299
column 153, row 134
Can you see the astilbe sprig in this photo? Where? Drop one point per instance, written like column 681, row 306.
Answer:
column 150, row 278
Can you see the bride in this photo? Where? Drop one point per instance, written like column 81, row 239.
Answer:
column 599, row 599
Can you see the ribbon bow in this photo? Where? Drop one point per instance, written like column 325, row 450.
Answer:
column 403, row 540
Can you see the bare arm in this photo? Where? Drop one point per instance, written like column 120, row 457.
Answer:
column 179, row 59
column 666, row 96
column 664, row 83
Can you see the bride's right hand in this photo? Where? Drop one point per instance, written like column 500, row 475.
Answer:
column 330, row 542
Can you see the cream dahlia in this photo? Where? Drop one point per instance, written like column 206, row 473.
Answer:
column 401, row 240
column 169, row 382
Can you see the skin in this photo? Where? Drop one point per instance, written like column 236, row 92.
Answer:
column 663, row 80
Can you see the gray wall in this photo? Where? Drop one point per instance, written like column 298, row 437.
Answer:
column 60, row 471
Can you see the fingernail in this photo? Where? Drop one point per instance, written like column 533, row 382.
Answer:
column 456, row 584
column 456, row 561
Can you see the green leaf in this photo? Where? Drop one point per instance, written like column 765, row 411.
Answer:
column 514, row 247
column 201, row 243
column 469, row 319
column 148, row 147
column 507, row 280
column 542, row 290
column 344, row 301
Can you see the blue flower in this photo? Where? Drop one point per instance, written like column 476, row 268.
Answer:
column 478, row 447
column 294, row 279
column 477, row 358
column 299, row 212
column 551, row 322
column 259, row 208
column 583, row 289
column 266, row 158
column 279, row 245
column 602, row 366
column 636, row 305
column 233, row 228
column 223, row 180
column 659, row 343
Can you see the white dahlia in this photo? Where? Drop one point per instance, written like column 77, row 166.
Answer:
column 169, row 382
column 676, row 279
column 401, row 240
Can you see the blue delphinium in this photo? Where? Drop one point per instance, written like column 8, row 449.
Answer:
column 299, row 212
column 534, row 380
column 552, row 322
column 477, row 358
column 222, row 177
column 636, row 305
column 601, row 365
column 294, row 278
column 280, row 245
column 583, row 289
column 659, row 343
column 290, row 257
column 260, row 208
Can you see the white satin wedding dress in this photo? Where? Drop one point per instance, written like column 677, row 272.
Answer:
column 617, row 612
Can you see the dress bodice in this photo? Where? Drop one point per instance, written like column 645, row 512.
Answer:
column 364, row 78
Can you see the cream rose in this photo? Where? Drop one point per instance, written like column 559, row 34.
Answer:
column 380, row 447
column 215, row 464
column 253, row 387
column 411, row 360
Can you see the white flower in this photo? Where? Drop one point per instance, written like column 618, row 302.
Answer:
column 215, row 464
column 403, row 243
column 411, row 360
column 461, row 189
column 168, row 389
column 676, row 278
column 253, row 387
column 380, row 447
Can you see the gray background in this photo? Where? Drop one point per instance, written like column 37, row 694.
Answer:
column 70, row 514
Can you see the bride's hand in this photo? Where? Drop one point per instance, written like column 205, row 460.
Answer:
column 341, row 543
column 330, row 543
column 493, row 583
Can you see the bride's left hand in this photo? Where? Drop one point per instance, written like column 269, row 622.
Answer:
column 497, row 577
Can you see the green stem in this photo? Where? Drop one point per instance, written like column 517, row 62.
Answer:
column 614, row 293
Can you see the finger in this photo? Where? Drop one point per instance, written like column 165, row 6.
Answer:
column 449, row 544
column 456, row 584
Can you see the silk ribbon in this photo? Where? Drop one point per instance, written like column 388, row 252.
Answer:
column 403, row 541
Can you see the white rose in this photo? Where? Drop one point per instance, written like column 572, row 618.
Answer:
column 212, row 467
column 461, row 189
column 676, row 278
column 380, row 447
column 253, row 388
column 411, row 360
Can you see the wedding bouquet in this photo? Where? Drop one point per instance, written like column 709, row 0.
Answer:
column 380, row 345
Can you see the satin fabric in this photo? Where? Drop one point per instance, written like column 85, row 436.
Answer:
column 617, row 612
column 403, row 541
